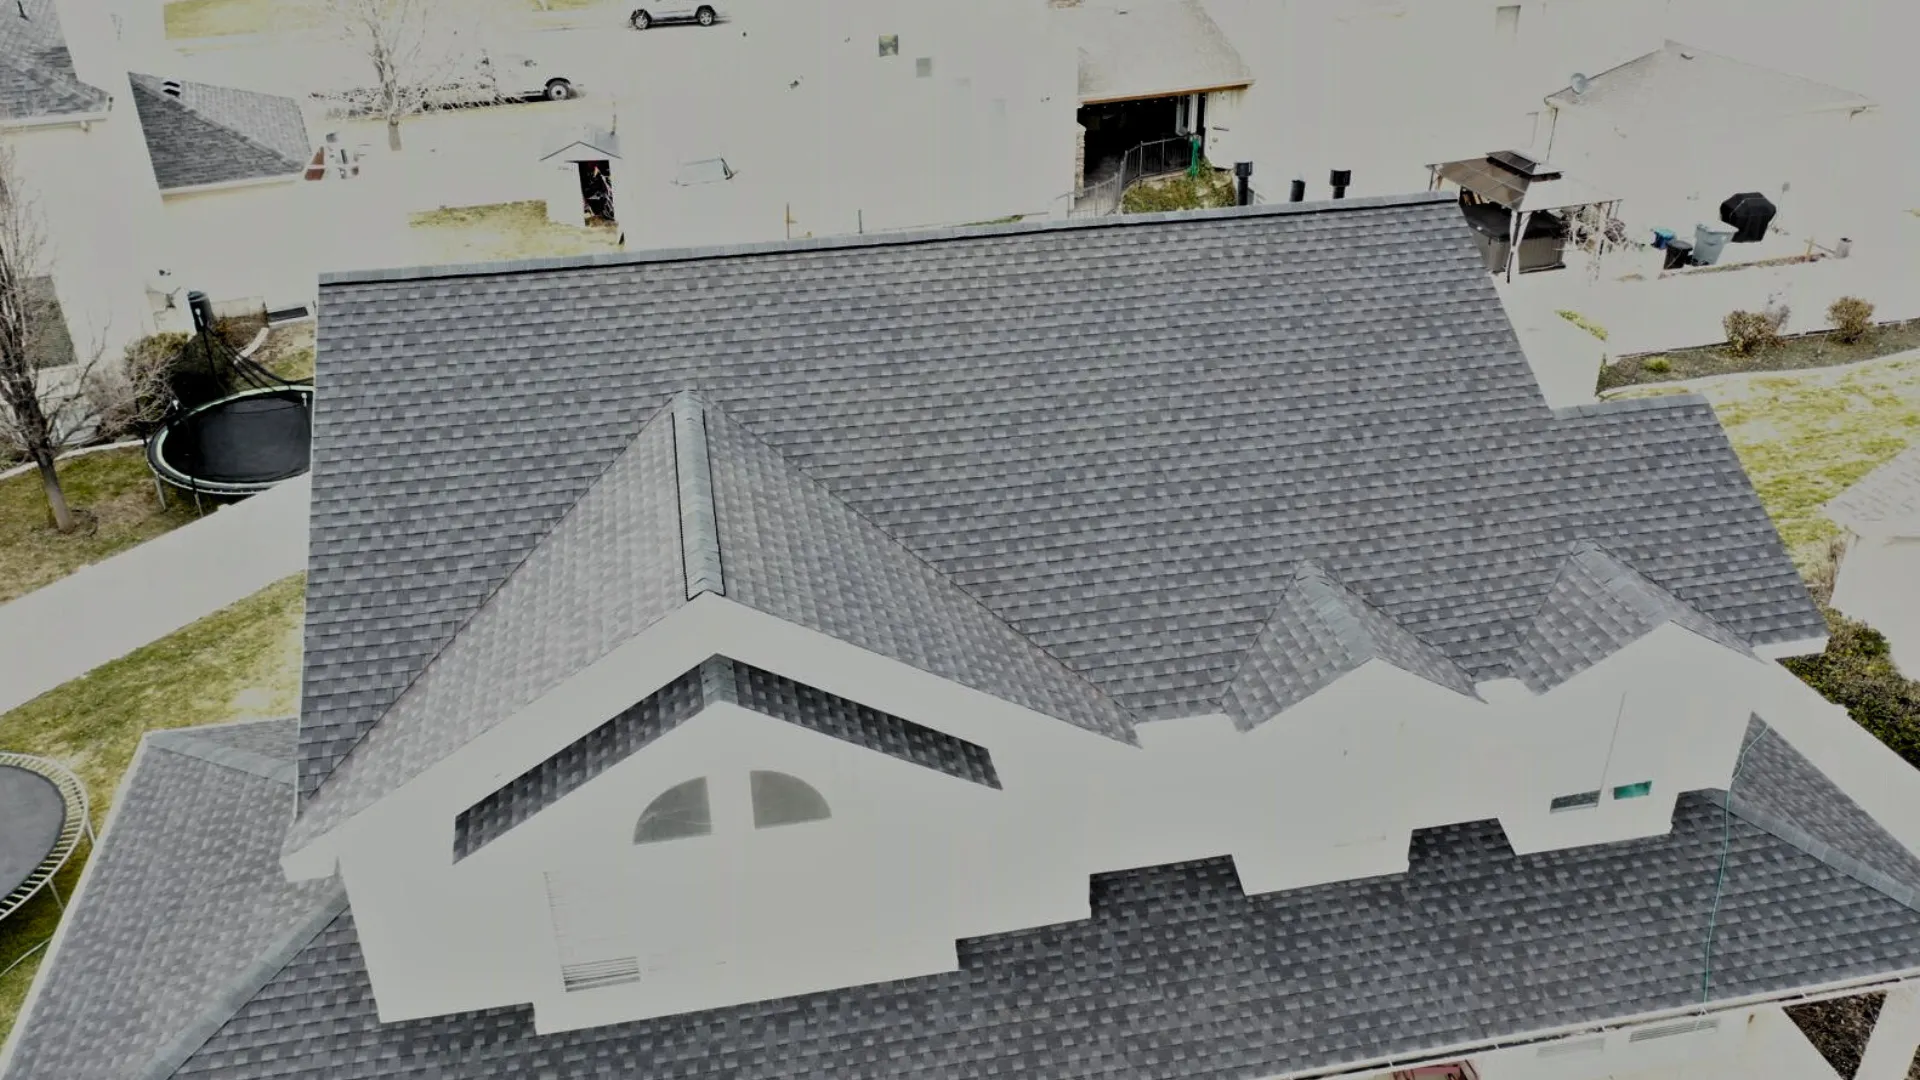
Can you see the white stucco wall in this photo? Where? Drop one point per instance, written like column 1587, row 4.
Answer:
column 913, row 860
column 240, row 242
column 1879, row 584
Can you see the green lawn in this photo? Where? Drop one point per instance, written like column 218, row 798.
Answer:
column 1808, row 436
column 112, row 492
column 240, row 663
column 188, row 19
column 517, row 230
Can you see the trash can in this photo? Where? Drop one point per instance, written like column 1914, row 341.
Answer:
column 1679, row 254
column 1661, row 238
column 1709, row 240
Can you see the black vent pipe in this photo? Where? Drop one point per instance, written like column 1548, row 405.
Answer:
column 1340, row 178
column 1242, row 171
column 1298, row 191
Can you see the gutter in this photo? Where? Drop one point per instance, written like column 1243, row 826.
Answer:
column 79, row 120
column 232, row 185
column 1457, row 1051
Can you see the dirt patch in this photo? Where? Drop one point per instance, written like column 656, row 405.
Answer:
column 517, row 230
column 1839, row 1028
column 1796, row 353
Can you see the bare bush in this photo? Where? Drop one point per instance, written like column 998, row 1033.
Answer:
column 1751, row 332
column 1852, row 318
column 417, row 56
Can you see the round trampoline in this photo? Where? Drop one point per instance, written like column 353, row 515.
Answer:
column 241, row 444
column 43, row 814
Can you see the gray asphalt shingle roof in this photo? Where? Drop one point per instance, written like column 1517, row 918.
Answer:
column 714, row 680
column 1596, row 607
column 1120, row 438
column 1320, row 631
column 183, row 904
column 217, row 134
column 36, row 71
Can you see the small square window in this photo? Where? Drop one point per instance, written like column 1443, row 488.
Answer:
column 1633, row 791
column 923, row 67
column 890, row 45
column 1576, row 802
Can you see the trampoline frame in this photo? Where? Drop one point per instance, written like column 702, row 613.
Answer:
column 178, row 479
column 78, row 823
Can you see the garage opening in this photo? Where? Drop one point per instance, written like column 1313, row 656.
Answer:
column 596, row 190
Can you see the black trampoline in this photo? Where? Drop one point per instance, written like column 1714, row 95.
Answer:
column 235, row 429
column 43, row 814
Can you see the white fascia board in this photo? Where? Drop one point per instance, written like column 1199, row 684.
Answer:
column 639, row 667
column 79, row 120
column 1863, row 767
column 230, row 185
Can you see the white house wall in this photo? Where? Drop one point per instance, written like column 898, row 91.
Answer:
column 255, row 241
column 1879, row 584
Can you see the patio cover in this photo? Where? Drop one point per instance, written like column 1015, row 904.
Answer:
column 1149, row 49
column 1518, row 193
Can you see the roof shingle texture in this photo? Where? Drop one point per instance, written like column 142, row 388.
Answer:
column 1178, row 976
column 716, row 679
column 36, row 71
column 1320, row 631
column 1119, row 448
column 1596, row 607
column 184, row 897
column 1889, row 495
column 217, row 134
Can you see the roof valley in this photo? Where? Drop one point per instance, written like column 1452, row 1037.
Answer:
column 699, row 523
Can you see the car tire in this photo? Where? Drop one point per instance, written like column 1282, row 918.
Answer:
column 559, row 90
column 704, row 16
column 639, row 20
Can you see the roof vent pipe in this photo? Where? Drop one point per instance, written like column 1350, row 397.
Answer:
column 1242, row 172
column 171, row 88
column 1297, row 192
column 1340, row 178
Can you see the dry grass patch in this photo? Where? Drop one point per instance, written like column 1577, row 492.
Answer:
column 1806, row 438
column 517, row 230
column 189, row 19
column 239, row 663
column 111, row 493
column 289, row 351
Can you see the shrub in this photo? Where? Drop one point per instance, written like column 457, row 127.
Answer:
column 130, row 398
column 1750, row 332
column 1211, row 188
column 1857, row 673
column 1580, row 321
column 1851, row 317
column 1659, row 365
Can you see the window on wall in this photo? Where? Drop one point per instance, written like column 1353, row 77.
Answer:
column 1506, row 23
column 1633, row 791
column 680, row 811
column 890, row 45
column 779, row 799
column 1575, row 802
column 923, row 67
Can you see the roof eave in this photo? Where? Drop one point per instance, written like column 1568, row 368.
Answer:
column 231, row 185
column 81, row 120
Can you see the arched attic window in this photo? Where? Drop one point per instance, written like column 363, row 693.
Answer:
column 779, row 799
column 678, row 812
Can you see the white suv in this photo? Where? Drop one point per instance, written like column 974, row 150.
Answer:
column 672, row 11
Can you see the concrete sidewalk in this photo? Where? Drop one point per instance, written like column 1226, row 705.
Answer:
column 109, row 609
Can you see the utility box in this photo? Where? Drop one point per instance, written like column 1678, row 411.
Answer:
column 1709, row 240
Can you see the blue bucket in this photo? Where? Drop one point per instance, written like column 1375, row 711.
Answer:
column 1661, row 238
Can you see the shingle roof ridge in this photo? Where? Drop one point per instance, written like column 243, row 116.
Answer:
column 1074, row 677
column 245, row 986
column 1799, row 838
column 306, row 800
column 27, row 67
column 700, row 553
column 870, row 240
column 1621, row 571
column 180, row 104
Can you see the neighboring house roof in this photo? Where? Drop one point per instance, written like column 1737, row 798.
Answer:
column 1075, row 466
column 1153, row 48
column 1596, row 607
column 597, row 140
column 715, row 680
column 1176, row 974
column 217, row 135
column 1680, row 80
column 184, row 912
column 1884, row 502
column 37, row 79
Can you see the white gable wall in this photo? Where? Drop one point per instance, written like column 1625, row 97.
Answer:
column 1879, row 584
column 914, row 860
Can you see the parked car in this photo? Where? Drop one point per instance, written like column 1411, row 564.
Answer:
column 493, row 78
column 672, row 11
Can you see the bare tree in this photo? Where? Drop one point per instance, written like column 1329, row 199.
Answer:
column 46, row 409
column 417, row 57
